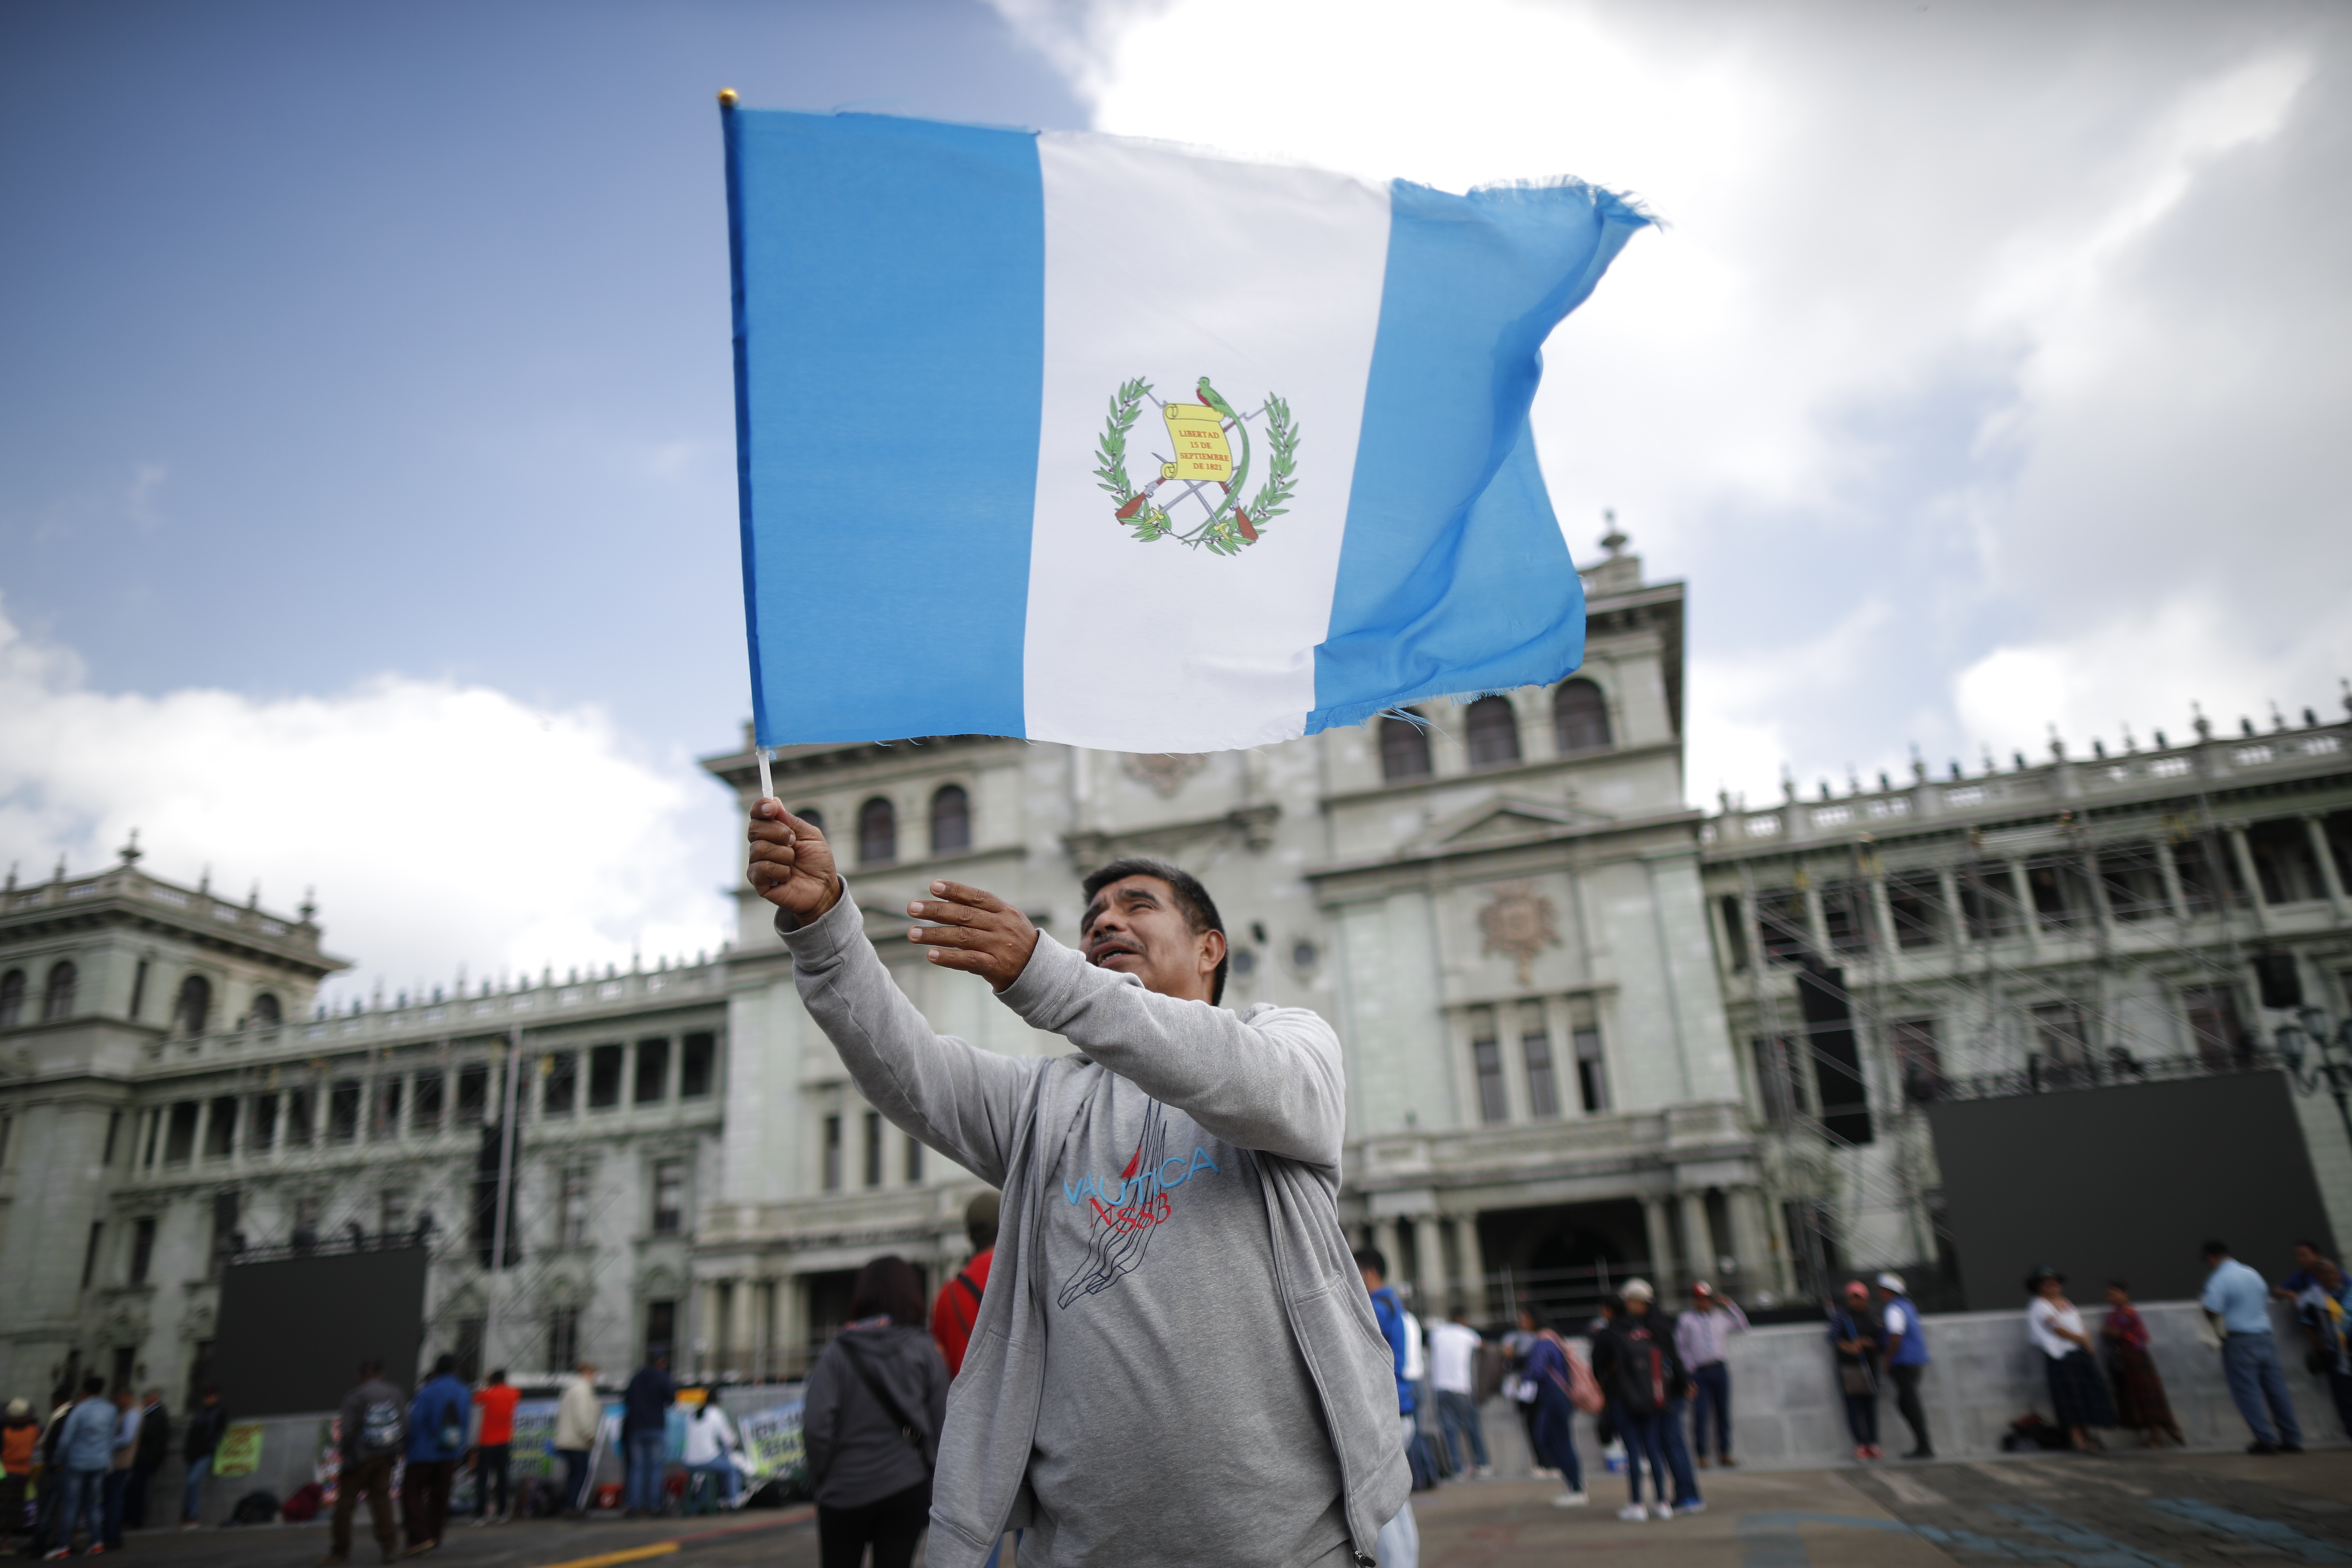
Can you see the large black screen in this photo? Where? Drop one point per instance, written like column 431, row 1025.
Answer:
column 2124, row 1183
column 293, row 1331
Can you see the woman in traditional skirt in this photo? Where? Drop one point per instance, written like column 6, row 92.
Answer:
column 2076, row 1389
column 2139, row 1389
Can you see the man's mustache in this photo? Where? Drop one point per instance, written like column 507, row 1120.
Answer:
column 1103, row 947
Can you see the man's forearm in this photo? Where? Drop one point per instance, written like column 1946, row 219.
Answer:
column 953, row 1096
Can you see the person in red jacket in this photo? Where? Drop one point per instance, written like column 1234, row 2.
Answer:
column 958, row 1307
column 497, row 1400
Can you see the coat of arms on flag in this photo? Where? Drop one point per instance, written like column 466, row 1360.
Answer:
column 1339, row 408
column 1205, row 482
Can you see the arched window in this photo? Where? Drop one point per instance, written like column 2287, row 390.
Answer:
column 1579, row 716
column 813, row 816
column 1494, row 732
column 193, row 1005
column 12, row 999
column 950, row 820
column 1405, row 751
column 57, row 996
column 878, row 832
column 265, row 1014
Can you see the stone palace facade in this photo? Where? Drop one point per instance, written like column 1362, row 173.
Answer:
column 1570, row 1004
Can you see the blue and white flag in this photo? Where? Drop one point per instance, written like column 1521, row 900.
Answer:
column 1107, row 442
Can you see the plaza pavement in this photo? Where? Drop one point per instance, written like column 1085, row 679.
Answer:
column 2120, row 1510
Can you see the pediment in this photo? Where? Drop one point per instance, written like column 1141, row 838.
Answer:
column 1508, row 821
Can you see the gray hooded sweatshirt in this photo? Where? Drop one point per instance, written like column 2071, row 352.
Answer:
column 1230, row 1125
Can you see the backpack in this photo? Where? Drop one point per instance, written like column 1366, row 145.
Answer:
column 382, row 1428
column 255, row 1507
column 1640, row 1374
column 303, row 1505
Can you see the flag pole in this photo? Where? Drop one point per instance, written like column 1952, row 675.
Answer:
column 767, row 780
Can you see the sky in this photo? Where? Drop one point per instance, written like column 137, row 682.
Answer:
column 366, row 502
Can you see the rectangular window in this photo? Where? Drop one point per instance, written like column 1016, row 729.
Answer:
column 391, row 1214
column 1916, row 901
column 1780, row 918
column 571, row 1212
column 1989, row 900
column 698, row 1057
column 605, row 1077
column 2061, row 894
column 113, row 1131
column 1486, row 1062
column 653, row 1071
column 914, row 1161
column 2132, row 876
column 2285, row 861
column 2213, row 1027
column 225, row 1209
column 1535, row 1045
column 872, row 1148
column 1775, row 1081
column 1591, row 1073
column 833, row 1153
column 342, row 1110
column 2208, row 873
column 180, row 1143
column 562, row 1082
column 89, row 1253
column 261, row 1132
column 298, row 1118
column 473, row 1094
column 661, row 1328
column 430, row 1100
column 2061, row 1035
column 7, row 1128
column 138, row 989
column 563, row 1339
column 142, row 1249
column 1918, row 1064
column 383, row 1117
column 669, row 1196
column 1845, row 917
column 220, row 1128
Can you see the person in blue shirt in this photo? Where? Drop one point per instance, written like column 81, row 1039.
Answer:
column 1906, row 1341
column 644, row 1437
column 437, row 1441
column 1399, row 1540
column 85, row 1454
column 2241, row 1303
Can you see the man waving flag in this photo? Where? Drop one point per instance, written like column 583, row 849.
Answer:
column 1104, row 442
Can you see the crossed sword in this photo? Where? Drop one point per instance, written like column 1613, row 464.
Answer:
column 1193, row 488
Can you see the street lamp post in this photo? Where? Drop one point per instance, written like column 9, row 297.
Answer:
column 2311, row 1049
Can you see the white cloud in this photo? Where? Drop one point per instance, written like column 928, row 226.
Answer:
column 2140, row 674
column 442, row 825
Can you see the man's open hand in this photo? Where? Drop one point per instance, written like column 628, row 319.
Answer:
column 976, row 931
column 791, row 864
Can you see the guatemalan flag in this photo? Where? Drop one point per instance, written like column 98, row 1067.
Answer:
column 1107, row 442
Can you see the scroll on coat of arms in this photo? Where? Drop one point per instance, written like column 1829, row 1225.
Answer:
column 1106, row 442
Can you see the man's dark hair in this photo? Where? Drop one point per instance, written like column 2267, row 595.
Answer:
column 1615, row 1306
column 444, row 1365
column 371, row 1367
column 94, row 1383
column 2313, row 1246
column 980, row 1218
column 211, row 1390
column 1374, row 1259
column 500, row 1376
column 888, row 1285
column 2217, row 1249
column 2119, row 1285
column 1192, row 901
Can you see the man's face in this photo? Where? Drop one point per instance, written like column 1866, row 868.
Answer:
column 1134, row 927
column 1636, row 1307
column 2306, row 1258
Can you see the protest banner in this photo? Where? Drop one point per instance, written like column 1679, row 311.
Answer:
column 238, row 1452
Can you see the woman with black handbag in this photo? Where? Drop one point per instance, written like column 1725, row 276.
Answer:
column 1856, row 1335
column 870, row 1418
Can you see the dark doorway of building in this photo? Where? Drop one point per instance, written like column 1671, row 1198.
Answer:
column 1560, row 1260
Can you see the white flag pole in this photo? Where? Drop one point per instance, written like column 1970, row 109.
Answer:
column 767, row 783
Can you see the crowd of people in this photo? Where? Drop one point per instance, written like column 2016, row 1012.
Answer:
column 89, row 1469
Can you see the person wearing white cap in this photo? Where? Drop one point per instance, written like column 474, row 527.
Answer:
column 1700, row 1336
column 1907, row 1359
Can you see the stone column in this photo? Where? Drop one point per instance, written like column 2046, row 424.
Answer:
column 1698, row 1237
column 1384, row 1241
column 2242, row 855
column 792, row 1353
column 2175, row 898
column 1750, row 1242
column 2326, row 858
column 2022, row 890
column 1956, row 922
column 1473, row 1264
column 1662, row 1244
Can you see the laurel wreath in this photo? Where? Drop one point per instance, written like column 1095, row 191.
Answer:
column 1221, row 531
